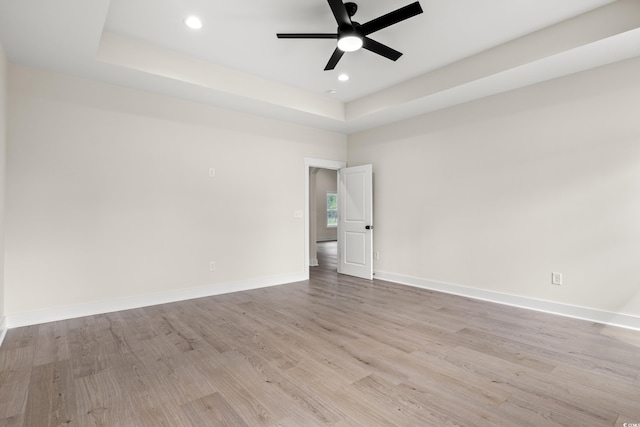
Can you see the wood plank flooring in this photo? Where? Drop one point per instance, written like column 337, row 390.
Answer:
column 332, row 351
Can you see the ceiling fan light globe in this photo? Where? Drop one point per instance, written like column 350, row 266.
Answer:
column 349, row 43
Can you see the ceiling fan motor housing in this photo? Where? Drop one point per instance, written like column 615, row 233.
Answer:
column 350, row 30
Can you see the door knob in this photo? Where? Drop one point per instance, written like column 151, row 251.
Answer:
column 369, row 227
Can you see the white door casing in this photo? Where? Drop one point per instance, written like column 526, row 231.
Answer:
column 355, row 221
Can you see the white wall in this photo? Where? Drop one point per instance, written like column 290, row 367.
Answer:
column 326, row 181
column 109, row 194
column 3, row 133
column 498, row 194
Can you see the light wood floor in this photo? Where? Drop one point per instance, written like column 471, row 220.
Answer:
column 331, row 351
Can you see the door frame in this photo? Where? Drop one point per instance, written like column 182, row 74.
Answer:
column 309, row 163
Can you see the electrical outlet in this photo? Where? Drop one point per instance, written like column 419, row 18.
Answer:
column 212, row 172
column 556, row 278
column 212, row 265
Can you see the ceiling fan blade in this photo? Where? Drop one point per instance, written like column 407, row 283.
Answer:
column 391, row 18
column 307, row 35
column 340, row 12
column 381, row 49
column 333, row 61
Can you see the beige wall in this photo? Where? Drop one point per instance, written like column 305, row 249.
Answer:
column 498, row 194
column 325, row 182
column 3, row 133
column 109, row 194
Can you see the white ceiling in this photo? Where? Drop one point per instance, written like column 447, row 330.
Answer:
column 456, row 51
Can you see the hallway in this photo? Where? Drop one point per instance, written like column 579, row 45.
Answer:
column 327, row 253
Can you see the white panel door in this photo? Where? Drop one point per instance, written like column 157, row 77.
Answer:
column 355, row 221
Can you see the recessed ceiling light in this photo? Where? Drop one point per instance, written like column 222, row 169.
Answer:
column 343, row 77
column 193, row 22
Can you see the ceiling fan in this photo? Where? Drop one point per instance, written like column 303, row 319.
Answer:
column 352, row 36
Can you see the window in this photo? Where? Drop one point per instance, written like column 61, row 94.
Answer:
column 332, row 210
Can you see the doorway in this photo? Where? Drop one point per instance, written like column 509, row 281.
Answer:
column 310, row 165
column 323, row 211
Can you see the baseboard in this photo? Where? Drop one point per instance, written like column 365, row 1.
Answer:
column 326, row 239
column 584, row 313
column 313, row 262
column 3, row 329
column 100, row 307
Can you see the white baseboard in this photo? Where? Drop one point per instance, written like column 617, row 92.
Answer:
column 313, row 262
column 99, row 307
column 3, row 329
column 584, row 313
